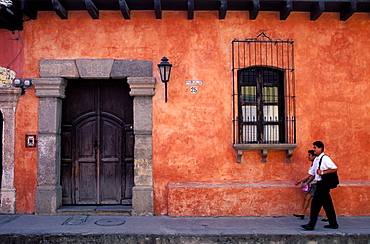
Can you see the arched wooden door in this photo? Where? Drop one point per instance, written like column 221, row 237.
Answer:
column 97, row 143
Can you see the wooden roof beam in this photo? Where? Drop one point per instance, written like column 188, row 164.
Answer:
column 158, row 9
column 223, row 10
column 256, row 6
column 59, row 9
column 190, row 9
column 92, row 9
column 124, row 9
column 27, row 10
column 286, row 10
column 316, row 10
column 348, row 9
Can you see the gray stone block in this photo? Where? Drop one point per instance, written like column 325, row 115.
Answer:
column 50, row 114
column 142, row 200
column 50, row 87
column 95, row 68
column 48, row 199
column 58, row 68
column 131, row 67
column 141, row 86
column 48, row 171
column 143, row 147
column 143, row 172
column 143, row 115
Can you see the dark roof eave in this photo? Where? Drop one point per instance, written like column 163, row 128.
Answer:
column 29, row 8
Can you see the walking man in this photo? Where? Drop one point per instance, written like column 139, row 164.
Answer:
column 322, row 196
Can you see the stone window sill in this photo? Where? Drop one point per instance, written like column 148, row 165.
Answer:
column 264, row 148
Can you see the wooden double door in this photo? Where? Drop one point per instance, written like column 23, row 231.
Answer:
column 97, row 143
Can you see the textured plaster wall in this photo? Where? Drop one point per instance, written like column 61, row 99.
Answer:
column 12, row 46
column 192, row 133
column 11, row 51
column 25, row 164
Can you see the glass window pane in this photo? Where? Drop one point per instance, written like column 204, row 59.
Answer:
column 249, row 113
column 271, row 133
column 270, row 76
column 248, row 94
column 249, row 133
column 270, row 94
column 248, row 76
column 271, row 113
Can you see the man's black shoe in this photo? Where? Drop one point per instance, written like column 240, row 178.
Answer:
column 331, row 226
column 308, row 227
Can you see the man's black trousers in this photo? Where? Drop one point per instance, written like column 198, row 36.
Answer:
column 320, row 199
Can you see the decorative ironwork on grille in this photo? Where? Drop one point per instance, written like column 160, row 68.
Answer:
column 263, row 91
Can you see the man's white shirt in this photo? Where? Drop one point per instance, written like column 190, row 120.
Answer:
column 326, row 164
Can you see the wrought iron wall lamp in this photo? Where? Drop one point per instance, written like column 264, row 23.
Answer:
column 165, row 71
column 23, row 84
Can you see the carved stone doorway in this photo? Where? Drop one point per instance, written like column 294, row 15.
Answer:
column 50, row 88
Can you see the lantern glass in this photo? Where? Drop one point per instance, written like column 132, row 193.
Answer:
column 165, row 69
column 165, row 73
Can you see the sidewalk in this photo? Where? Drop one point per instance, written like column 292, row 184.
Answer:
column 165, row 229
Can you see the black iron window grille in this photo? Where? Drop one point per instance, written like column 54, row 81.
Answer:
column 263, row 91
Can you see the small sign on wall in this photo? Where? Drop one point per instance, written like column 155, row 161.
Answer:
column 194, row 85
column 193, row 89
column 31, row 140
column 194, row 82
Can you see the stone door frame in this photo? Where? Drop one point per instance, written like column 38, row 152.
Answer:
column 50, row 89
column 8, row 103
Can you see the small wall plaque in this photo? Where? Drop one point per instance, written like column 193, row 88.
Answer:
column 31, row 140
column 193, row 89
column 194, row 82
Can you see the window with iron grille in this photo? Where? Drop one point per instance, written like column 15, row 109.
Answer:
column 263, row 91
column 261, row 105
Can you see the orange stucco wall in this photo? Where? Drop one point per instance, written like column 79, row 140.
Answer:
column 12, row 46
column 192, row 133
column 25, row 164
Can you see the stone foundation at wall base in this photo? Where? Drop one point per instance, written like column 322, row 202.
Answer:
column 48, row 199
column 142, row 201
column 7, row 200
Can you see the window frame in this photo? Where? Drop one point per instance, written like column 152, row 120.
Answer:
column 277, row 54
column 261, row 105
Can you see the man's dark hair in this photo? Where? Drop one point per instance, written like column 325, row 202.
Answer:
column 312, row 152
column 319, row 144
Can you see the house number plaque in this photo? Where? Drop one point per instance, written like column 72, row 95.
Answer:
column 193, row 89
column 194, row 83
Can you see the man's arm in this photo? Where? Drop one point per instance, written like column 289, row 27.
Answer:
column 328, row 171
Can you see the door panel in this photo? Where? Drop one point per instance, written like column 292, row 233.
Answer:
column 66, row 171
column 86, row 183
column 86, row 158
column 97, row 143
column 111, row 159
column 129, row 165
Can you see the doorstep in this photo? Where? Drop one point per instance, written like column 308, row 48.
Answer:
column 96, row 210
